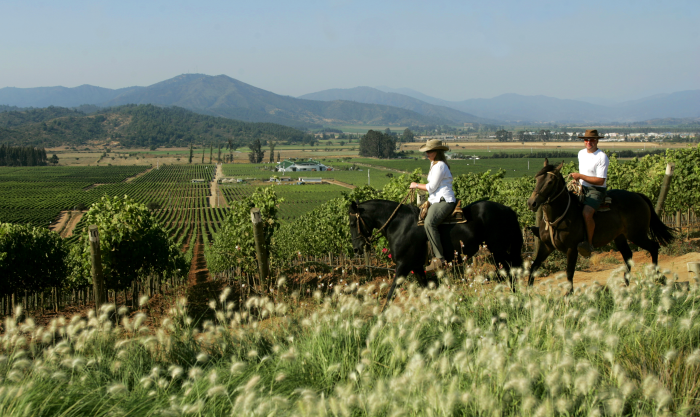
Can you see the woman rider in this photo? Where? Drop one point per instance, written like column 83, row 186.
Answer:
column 441, row 197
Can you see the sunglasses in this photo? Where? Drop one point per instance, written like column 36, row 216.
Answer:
column 588, row 140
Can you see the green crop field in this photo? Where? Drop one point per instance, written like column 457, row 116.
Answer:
column 514, row 167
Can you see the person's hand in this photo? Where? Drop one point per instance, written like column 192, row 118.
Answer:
column 575, row 175
column 413, row 185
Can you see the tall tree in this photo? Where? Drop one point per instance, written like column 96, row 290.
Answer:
column 407, row 135
column 257, row 154
column 211, row 151
column 191, row 152
column 272, row 151
column 377, row 144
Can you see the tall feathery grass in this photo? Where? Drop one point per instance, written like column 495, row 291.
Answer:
column 459, row 349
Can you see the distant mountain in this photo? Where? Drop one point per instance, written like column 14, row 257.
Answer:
column 133, row 125
column 519, row 108
column 227, row 97
column 415, row 94
column 59, row 96
column 375, row 96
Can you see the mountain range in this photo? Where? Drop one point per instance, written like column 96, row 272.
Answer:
column 519, row 108
column 224, row 96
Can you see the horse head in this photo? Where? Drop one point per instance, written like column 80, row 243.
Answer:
column 549, row 181
column 358, row 229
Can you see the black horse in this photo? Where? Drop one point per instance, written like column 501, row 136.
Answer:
column 631, row 217
column 487, row 222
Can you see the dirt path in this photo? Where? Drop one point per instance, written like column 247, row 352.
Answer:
column 140, row 174
column 340, row 183
column 200, row 287
column 60, row 223
column 66, row 222
column 215, row 192
column 600, row 272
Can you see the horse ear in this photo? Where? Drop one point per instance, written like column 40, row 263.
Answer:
column 559, row 167
column 546, row 161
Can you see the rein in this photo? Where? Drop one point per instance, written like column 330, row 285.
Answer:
column 369, row 240
column 553, row 224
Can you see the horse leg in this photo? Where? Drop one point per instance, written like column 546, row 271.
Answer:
column 649, row 245
column 402, row 270
column 626, row 252
column 571, row 258
column 542, row 254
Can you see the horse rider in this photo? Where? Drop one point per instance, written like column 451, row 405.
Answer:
column 441, row 197
column 593, row 173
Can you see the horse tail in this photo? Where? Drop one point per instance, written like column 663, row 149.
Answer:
column 658, row 230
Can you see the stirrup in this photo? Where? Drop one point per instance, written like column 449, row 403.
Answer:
column 436, row 264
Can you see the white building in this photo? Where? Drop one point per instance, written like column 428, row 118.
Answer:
column 297, row 166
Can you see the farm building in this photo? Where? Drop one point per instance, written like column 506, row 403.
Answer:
column 295, row 166
column 198, row 180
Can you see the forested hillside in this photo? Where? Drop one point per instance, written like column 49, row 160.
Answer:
column 132, row 125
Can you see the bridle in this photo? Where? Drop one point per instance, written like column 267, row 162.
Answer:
column 553, row 224
column 369, row 240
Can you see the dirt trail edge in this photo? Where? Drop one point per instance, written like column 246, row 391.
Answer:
column 200, row 287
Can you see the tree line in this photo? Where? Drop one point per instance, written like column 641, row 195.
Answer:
column 24, row 156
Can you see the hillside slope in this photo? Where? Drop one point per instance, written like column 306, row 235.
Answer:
column 133, row 125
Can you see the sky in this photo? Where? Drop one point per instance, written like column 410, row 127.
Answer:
column 454, row 50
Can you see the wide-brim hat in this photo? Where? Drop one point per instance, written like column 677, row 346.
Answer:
column 591, row 134
column 433, row 145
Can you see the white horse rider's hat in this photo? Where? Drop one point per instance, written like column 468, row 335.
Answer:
column 433, row 145
column 591, row 134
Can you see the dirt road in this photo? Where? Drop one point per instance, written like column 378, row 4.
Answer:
column 215, row 192
column 603, row 265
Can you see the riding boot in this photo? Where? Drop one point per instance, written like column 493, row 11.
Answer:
column 585, row 249
column 436, row 264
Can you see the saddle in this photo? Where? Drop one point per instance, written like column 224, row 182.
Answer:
column 456, row 217
column 576, row 188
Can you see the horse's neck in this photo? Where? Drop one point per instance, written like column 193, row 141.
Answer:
column 556, row 208
column 382, row 213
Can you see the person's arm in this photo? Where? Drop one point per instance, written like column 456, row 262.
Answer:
column 434, row 178
column 598, row 181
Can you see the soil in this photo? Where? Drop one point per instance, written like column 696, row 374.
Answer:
column 69, row 226
column 215, row 189
column 603, row 265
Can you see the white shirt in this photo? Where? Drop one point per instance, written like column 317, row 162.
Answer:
column 440, row 183
column 593, row 164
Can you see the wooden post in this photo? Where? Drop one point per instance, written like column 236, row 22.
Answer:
column 96, row 267
column 260, row 249
column 665, row 185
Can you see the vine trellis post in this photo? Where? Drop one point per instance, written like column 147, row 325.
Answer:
column 96, row 267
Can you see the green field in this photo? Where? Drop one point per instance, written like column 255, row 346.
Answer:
column 514, row 167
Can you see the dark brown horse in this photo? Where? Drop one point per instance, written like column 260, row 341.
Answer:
column 631, row 217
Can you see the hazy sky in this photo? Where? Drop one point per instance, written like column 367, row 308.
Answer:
column 453, row 50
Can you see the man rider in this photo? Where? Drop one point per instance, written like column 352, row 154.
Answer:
column 593, row 173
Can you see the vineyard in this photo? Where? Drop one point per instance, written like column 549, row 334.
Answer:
column 513, row 167
column 313, row 340
column 309, row 220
